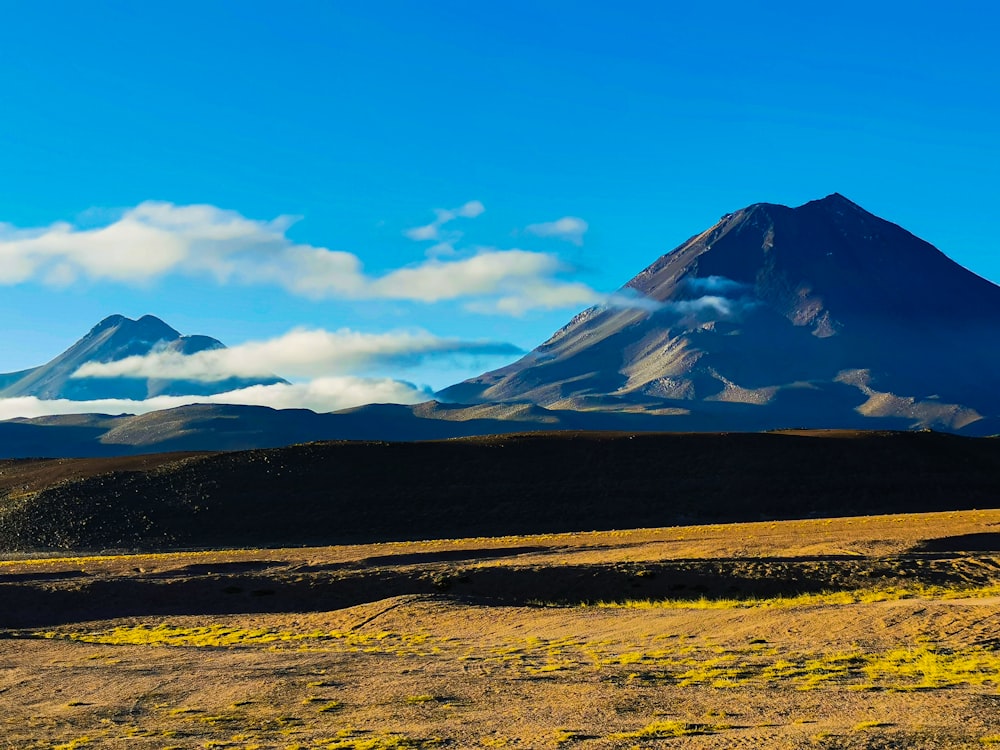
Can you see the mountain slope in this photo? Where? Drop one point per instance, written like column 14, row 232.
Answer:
column 821, row 315
column 114, row 338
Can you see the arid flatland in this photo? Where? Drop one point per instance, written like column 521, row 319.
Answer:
column 869, row 632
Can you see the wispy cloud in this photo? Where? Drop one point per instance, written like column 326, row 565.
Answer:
column 156, row 239
column 714, row 285
column 540, row 297
column 488, row 272
column 301, row 353
column 432, row 231
column 320, row 395
column 703, row 299
column 569, row 228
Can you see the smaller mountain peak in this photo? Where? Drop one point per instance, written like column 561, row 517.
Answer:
column 148, row 326
column 151, row 328
column 835, row 200
column 836, row 197
column 110, row 322
column 151, row 322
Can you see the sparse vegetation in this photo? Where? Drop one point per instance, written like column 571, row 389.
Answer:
column 221, row 636
column 819, row 599
column 660, row 730
column 827, row 668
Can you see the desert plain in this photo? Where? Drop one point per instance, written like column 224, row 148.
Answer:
column 863, row 632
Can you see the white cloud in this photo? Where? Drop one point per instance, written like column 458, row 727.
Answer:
column 488, row 272
column 709, row 307
column 155, row 239
column 146, row 242
column 320, row 395
column 432, row 231
column 629, row 299
column 701, row 309
column 471, row 210
column 569, row 228
column 534, row 296
column 443, row 249
column 719, row 298
column 714, row 285
column 426, row 232
column 301, row 353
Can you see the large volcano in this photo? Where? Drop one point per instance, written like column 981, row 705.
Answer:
column 818, row 316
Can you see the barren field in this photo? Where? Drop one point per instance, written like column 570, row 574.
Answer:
column 871, row 632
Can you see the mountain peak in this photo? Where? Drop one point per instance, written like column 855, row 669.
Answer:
column 821, row 312
column 147, row 328
column 111, row 321
column 834, row 198
column 836, row 203
column 147, row 320
column 150, row 326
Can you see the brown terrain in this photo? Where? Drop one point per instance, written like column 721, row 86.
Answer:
column 523, row 626
column 499, row 642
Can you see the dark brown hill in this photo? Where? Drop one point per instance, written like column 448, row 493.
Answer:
column 324, row 493
column 823, row 315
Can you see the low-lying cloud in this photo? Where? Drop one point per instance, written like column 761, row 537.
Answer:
column 301, row 353
column 320, row 395
column 156, row 239
column 715, row 285
column 727, row 301
column 718, row 298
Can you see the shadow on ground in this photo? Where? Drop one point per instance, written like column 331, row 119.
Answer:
column 46, row 600
column 984, row 542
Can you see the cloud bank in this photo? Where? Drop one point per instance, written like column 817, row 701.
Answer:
column 320, row 395
column 156, row 239
column 328, row 362
column 301, row 353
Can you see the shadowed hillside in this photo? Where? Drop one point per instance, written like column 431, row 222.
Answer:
column 325, row 493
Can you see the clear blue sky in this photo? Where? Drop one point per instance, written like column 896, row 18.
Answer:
column 646, row 120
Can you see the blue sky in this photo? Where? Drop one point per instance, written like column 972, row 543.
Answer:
column 642, row 122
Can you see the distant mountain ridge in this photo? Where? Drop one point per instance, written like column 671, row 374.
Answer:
column 115, row 338
column 814, row 316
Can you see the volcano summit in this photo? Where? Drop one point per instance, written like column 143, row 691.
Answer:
column 822, row 315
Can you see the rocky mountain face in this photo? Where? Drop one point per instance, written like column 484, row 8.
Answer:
column 112, row 339
column 820, row 316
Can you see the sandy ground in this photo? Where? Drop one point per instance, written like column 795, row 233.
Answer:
column 486, row 643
